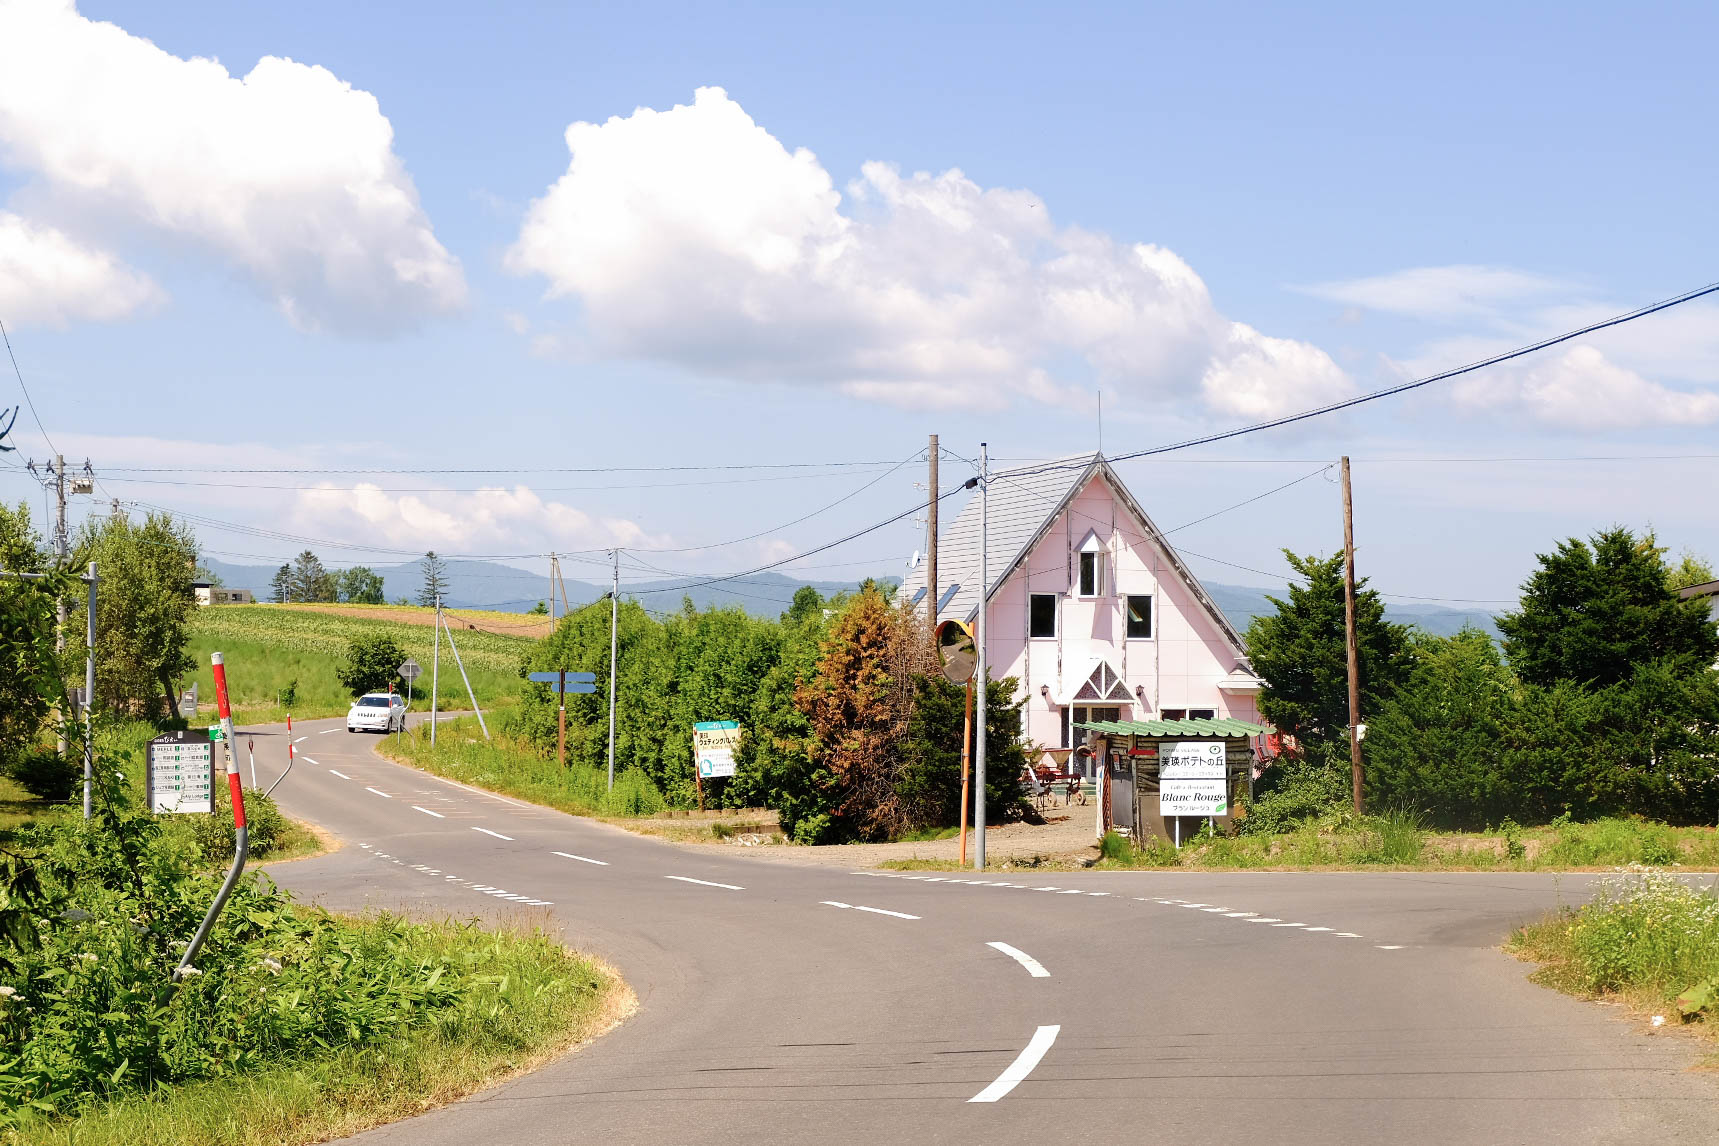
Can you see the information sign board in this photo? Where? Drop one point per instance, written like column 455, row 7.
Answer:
column 180, row 776
column 714, row 743
column 410, row 670
column 1193, row 778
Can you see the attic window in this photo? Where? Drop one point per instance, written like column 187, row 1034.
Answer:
column 1090, row 582
column 1103, row 684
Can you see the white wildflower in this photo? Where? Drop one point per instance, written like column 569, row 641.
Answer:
column 1659, row 1020
column 8, row 992
column 88, row 958
column 188, row 972
column 272, row 966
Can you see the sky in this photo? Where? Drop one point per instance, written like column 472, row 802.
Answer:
column 538, row 260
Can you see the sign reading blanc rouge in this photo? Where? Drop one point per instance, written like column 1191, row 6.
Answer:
column 714, row 743
column 1192, row 779
column 180, row 776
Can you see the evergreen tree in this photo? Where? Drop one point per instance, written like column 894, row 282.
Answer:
column 308, row 581
column 435, row 579
column 1301, row 654
column 1595, row 611
column 280, row 587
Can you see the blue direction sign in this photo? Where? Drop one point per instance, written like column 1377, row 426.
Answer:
column 572, row 677
column 573, row 685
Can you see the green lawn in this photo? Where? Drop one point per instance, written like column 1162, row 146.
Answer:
column 268, row 648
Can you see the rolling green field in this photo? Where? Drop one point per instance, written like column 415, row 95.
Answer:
column 267, row 648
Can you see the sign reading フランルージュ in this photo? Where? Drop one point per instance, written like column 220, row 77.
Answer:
column 714, row 743
column 181, row 773
column 1193, row 778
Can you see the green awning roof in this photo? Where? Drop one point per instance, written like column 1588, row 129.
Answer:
column 1175, row 728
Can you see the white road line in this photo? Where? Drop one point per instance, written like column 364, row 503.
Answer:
column 1319, row 929
column 1239, row 914
column 427, row 812
column 339, row 773
column 704, row 882
column 1388, row 947
column 1033, row 966
column 857, row 907
column 384, row 795
column 474, row 791
column 1021, row 1067
column 497, row 835
column 581, row 859
column 1347, row 935
column 1265, row 919
column 1289, row 925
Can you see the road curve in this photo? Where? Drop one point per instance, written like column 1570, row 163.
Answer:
column 781, row 1002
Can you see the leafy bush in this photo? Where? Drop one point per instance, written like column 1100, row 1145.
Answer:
column 1299, row 789
column 1611, row 842
column 372, row 664
column 45, row 775
column 1645, row 929
column 212, row 832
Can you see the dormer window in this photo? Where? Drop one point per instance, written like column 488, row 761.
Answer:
column 1090, row 580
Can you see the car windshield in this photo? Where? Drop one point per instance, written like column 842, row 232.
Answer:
column 372, row 702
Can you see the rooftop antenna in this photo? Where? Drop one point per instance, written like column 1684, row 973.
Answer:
column 1101, row 421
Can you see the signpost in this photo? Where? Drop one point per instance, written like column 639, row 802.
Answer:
column 410, row 670
column 564, row 682
column 714, row 743
column 1193, row 780
column 959, row 657
column 180, row 776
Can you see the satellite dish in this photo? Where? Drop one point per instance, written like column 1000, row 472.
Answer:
column 956, row 652
column 913, row 562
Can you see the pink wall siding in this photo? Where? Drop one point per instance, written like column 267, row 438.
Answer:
column 1179, row 666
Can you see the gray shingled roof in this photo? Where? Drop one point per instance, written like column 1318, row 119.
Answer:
column 1024, row 500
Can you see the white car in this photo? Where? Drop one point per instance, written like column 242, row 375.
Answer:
column 377, row 712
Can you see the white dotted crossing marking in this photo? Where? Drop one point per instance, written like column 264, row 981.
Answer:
column 497, row 835
column 581, row 859
column 705, row 882
column 858, row 907
column 427, row 812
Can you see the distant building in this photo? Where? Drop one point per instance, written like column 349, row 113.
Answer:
column 208, row 594
column 1091, row 608
column 1709, row 591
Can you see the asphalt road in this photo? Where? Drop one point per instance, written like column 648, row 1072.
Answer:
column 809, row 1004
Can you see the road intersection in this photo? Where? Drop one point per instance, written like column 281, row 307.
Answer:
column 787, row 1002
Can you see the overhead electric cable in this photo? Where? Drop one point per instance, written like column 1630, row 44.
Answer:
column 31, row 401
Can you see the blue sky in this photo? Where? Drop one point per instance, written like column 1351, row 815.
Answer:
column 1334, row 199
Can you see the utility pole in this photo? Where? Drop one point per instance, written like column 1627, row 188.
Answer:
column 1349, row 638
column 614, row 622
column 552, row 568
column 931, row 542
column 60, row 547
column 89, row 691
column 981, row 673
column 435, row 670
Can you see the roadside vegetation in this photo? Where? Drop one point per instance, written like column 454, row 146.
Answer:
column 310, row 1024
column 1645, row 938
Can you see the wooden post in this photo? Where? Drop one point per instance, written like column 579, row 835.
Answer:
column 966, row 742
column 561, row 722
column 1349, row 639
column 931, row 543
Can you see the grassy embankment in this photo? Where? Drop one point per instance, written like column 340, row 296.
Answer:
column 271, row 647
column 1396, row 842
column 1646, row 939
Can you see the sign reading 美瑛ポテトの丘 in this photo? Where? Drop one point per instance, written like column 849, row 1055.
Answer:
column 1193, row 778
column 714, row 743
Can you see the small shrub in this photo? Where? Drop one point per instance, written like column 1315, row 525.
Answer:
column 1613, row 842
column 1396, row 837
column 212, row 832
column 43, row 774
column 1646, row 929
column 1514, row 846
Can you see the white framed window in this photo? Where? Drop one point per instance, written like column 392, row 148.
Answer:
column 1090, row 570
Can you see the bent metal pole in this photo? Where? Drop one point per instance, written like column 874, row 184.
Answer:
column 241, row 833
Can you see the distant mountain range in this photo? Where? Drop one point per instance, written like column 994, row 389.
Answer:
column 490, row 585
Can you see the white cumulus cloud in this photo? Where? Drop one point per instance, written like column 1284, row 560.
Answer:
column 287, row 173
column 49, row 278
column 694, row 236
column 1579, row 388
column 486, row 521
column 1442, row 293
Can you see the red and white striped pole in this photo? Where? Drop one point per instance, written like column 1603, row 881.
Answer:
column 241, row 834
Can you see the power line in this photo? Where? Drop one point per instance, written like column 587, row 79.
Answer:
column 506, row 470
column 32, row 402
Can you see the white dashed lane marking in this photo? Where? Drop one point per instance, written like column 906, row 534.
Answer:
column 497, row 835
column 427, row 812
column 705, row 882
column 480, row 888
column 581, row 859
column 1033, row 966
column 858, row 907
column 384, row 795
column 339, row 773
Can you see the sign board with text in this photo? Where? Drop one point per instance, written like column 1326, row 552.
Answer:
column 180, row 774
column 1193, row 778
column 714, row 743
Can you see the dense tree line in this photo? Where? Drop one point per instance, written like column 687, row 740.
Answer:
column 1603, row 699
column 305, row 580
column 845, row 731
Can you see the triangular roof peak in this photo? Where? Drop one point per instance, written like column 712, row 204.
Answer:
column 1025, row 502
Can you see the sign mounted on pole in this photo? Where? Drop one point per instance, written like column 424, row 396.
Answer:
column 180, row 773
column 714, row 743
column 576, row 681
column 1193, row 778
column 410, row 670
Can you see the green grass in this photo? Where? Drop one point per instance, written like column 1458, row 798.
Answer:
column 926, row 835
column 507, row 766
column 535, row 1001
column 267, row 648
column 1646, row 938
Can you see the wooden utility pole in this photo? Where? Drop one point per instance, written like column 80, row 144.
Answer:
column 1349, row 639
column 931, row 545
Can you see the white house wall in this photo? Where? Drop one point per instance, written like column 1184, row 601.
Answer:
column 1179, row 666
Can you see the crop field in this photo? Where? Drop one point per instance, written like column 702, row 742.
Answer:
column 269, row 648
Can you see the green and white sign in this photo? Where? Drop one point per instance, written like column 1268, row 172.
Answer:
column 180, row 774
column 714, row 743
column 1193, row 778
